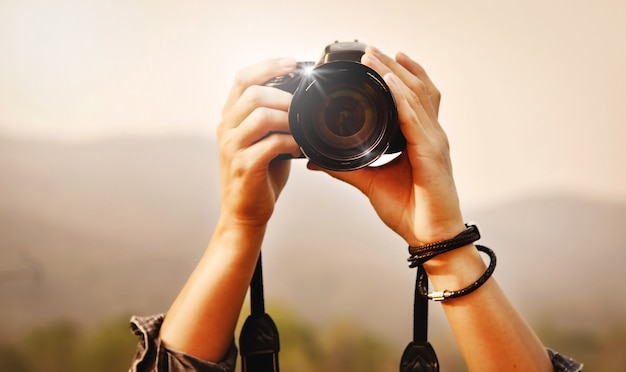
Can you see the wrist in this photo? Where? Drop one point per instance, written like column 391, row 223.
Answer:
column 435, row 224
column 456, row 263
column 438, row 219
column 230, row 221
column 434, row 232
column 239, row 237
column 452, row 262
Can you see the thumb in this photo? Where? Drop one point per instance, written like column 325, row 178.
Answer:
column 360, row 178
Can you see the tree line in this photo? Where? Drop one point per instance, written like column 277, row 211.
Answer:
column 65, row 346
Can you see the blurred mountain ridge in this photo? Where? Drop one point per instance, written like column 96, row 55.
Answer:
column 90, row 230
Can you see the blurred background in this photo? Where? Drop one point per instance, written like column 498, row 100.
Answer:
column 109, row 182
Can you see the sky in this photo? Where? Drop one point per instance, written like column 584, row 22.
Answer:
column 533, row 91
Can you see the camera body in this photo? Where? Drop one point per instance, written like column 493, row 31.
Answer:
column 342, row 115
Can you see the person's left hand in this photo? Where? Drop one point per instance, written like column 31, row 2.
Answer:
column 414, row 194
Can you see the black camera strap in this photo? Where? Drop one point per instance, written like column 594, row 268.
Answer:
column 419, row 355
column 258, row 342
column 259, row 336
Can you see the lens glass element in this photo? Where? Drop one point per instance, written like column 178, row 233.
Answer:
column 342, row 120
column 343, row 115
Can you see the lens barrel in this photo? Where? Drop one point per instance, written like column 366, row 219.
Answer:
column 343, row 115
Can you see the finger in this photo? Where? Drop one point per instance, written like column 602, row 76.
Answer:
column 257, row 74
column 417, row 70
column 411, row 81
column 393, row 65
column 375, row 64
column 412, row 116
column 260, row 123
column 384, row 64
column 269, row 148
column 251, row 99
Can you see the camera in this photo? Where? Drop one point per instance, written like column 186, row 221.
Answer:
column 342, row 114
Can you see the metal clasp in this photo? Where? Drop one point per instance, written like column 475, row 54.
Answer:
column 439, row 295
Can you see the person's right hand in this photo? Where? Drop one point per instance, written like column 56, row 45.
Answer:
column 254, row 130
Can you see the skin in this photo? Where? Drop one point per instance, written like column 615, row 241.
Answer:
column 415, row 195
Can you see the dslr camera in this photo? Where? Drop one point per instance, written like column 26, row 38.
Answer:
column 342, row 115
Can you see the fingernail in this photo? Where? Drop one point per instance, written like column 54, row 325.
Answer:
column 287, row 63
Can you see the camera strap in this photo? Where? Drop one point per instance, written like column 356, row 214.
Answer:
column 419, row 355
column 258, row 341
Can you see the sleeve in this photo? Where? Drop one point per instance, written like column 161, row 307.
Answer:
column 153, row 356
column 562, row 363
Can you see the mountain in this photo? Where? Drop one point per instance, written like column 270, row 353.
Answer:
column 92, row 230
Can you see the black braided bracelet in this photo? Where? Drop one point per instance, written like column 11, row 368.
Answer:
column 446, row 294
column 421, row 254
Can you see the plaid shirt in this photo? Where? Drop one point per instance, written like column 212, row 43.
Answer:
column 153, row 356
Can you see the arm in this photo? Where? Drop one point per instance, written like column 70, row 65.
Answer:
column 202, row 319
column 415, row 195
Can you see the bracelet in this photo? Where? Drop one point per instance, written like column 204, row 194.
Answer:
column 422, row 281
column 423, row 253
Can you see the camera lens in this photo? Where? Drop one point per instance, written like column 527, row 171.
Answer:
column 343, row 115
column 341, row 121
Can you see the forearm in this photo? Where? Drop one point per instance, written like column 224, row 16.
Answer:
column 203, row 317
column 492, row 335
column 252, row 133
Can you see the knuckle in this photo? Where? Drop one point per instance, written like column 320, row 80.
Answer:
column 435, row 93
column 221, row 130
column 238, row 166
column 226, row 140
column 418, row 69
column 421, row 87
column 242, row 77
column 238, row 163
column 445, row 142
column 414, row 97
column 274, row 140
column 254, row 95
column 262, row 115
column 442, row 142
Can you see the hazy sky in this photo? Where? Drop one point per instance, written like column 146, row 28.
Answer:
column 534, row 92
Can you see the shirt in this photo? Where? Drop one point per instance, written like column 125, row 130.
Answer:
column 153, row 356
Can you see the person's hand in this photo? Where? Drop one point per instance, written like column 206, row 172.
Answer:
column 254, row 130
column 414, row 194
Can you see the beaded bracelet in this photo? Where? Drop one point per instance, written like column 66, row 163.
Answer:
column 423, row 253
